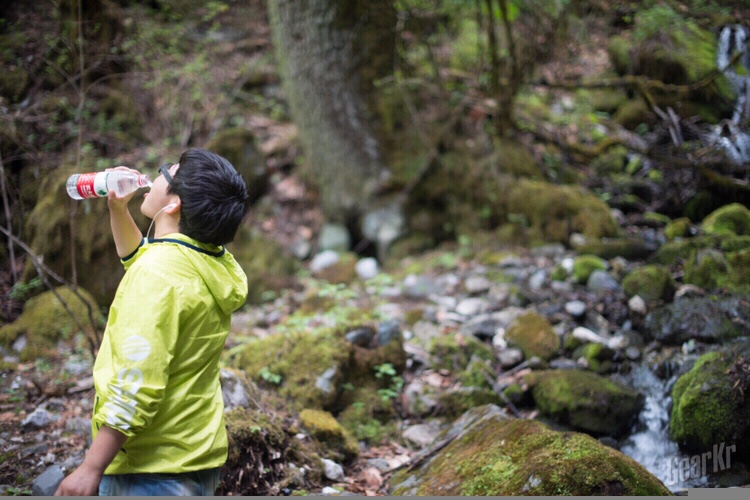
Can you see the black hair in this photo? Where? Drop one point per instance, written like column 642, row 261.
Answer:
column 214, row 197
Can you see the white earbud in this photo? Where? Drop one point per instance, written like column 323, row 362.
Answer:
column 171, row 205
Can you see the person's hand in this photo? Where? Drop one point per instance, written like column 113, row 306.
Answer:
column 84, row 481
column 120, row 202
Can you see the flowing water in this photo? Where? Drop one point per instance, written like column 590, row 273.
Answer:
column 650, row 445
column 731, row 135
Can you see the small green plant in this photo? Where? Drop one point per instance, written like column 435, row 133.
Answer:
column 397, row 382
column 269, row 376
column 15, row 492
column 21, row 290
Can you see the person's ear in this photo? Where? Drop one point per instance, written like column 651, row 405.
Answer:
column 171, row 207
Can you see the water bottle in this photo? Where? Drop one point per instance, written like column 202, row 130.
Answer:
column 98, row 184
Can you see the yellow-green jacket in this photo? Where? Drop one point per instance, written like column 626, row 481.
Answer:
column 156, row 374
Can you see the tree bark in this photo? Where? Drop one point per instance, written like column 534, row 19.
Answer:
column 331, row 53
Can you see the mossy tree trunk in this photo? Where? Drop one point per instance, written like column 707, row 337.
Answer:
column 331, row 53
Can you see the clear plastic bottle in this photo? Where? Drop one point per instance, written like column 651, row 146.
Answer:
column 98, row 184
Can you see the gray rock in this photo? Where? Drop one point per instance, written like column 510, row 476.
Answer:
column 38, row 419
column 80, row 426
column 477, row 284
column 537, row 280
column 72, row 462
column 421, row 435
column 388, row 331
column 471, row 306
column 378, row 463
column 329, row 491
column 482, row 326
column 237, row 391
column 576, row 308
column 633, row 353
column 509, row 358
column 333, row 471
column 20, row 343
column 77, row 365
column 702, row 319
column 383, row 226
column 366, row 268
column 325, row 381
column 361, row 337
column 323, row 260
column 601, row 280
column 35, row 449
column 637, row 305
column 586, row 335
column 301, row 248
column 334, row 237
column 47, row 482
column 424, row 331
column 498, row 340
column 419, row 287
column 418, row 402
column 563, row 364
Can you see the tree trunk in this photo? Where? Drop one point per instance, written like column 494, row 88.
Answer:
column 330, row 53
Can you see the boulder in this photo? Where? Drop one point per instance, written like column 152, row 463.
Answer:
column 710, row 401
column 534, row 335
column 491, row 454
column 651, row 283
column 733, row 219
column 586, row 401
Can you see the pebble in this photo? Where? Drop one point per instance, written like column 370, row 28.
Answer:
column 537, row 280
column 618, row 342
column 498, row 340
column 421, row 435
column 471, row 306
column 601, row 280
column 329, row 491
column 379, row 463
column 333, row 471
column 586, row 335
column 367, row 268
column 323, row 260
column 509, row 358
column 633, row 353
column 477, row 284
column 637, row 305
column 38, row 419
column 576, row 308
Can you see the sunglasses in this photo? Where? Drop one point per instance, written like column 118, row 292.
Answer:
column 164, row 170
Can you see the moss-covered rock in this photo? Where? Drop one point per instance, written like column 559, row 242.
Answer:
column 598, row 357
column 708, row 407
column 326, row 429
column 706, row 268
column 269, row 267
column 634, row 112
column 704, row 319
column 733, row 219
column 515, row 159
column 585, row 400
column 609, row 248
column 453, row 352
column 557, row 211
column 584, row 265
column 48, row 226
column 678, row 228
column 618, row 50
column 239, row 147
column 454, row 402
column 683, row 249
column 476, row 373
column 368, row 416
column 651, row 282
column 495, row 455
column 343, row 271
column 534, row 335
column 45, row 321
column 260, row 448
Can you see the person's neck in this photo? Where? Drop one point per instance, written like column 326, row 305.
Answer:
column 167, row 225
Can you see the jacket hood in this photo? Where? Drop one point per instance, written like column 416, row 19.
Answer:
column 220, row 271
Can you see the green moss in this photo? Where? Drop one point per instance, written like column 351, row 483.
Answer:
column 738, row 275
column 707, row 410
column 678, row 228
column 733, row 219
column 607, row 101
column 706, row 269
column 326, row 429
column 453, row 352
column 368, row 417
column 453, row 403
column 515, row 159
column 735, row 243
column 515, row 393
column 45, row 321
column 503, row 457
column 618, row 50
column 670, row 252
column 269, row 267
column 611, row 162
column 559, row 273
column 554, row 212
column 476, row 374
column 609, row 248
column 584, row 265
column 585, row 400
column 651, row 282
column 598, row 357
column 633, row 113
column 701, row 205
column 534, row 335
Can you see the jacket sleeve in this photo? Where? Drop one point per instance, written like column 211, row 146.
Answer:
column 142, row 335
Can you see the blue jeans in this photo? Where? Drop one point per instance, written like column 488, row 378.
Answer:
column 198, row 483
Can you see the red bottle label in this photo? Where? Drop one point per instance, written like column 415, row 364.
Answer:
column 85, row 185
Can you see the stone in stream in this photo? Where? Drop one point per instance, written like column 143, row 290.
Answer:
column 702, row 319
column 708, row 408
column 492, row 454
column 585, row 400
